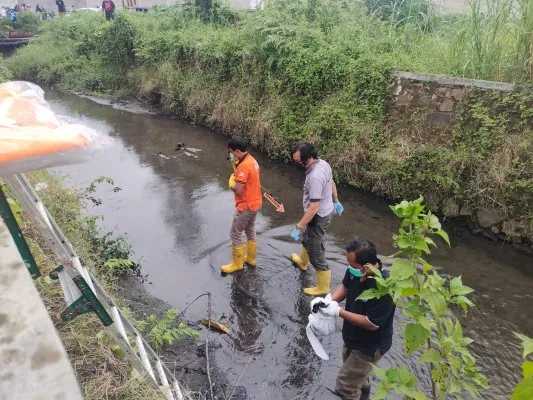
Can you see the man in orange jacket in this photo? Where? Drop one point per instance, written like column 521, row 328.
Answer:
column 246, row 186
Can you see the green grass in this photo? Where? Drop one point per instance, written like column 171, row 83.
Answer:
column 317, row 70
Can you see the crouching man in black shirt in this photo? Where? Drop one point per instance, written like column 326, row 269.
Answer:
column 368, row 324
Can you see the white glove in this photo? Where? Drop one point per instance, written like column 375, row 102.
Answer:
column 332, row 310
column 326, row 300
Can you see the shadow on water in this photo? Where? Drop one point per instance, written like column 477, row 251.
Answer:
column 176, row 211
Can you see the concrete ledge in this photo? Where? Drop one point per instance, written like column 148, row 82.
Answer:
column 452, row 81
column 34, row 363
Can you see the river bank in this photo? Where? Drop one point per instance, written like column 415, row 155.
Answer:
column 281, row 78
column 99, row 364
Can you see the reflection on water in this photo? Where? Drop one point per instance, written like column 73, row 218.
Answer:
column 176, row 211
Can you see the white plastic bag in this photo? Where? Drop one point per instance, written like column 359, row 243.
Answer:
column 32, row 136
column 323, row 325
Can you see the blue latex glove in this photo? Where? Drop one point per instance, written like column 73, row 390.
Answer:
column 295, row 234
column 338, row 208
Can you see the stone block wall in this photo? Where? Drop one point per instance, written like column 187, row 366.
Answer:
column 439, row 96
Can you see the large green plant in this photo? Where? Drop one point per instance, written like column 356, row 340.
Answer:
column 426, row 298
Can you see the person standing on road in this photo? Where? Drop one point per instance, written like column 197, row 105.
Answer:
column 108, row 9
column 320, row 202
column 246, row 186
column 61, row 9
column 368, row 324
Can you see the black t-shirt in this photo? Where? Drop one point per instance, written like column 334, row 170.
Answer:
column 379, row 312
column 60, row 6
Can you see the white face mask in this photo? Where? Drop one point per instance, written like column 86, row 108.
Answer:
column 231, row 156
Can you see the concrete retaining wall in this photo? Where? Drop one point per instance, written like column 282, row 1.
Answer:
column 34, row 363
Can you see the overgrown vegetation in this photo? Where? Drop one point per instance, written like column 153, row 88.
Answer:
column 321, row 70
column 100, row 365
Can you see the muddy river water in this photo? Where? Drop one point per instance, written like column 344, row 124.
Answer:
column 176, row 211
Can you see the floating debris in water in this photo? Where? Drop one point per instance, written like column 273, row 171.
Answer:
column 190, row 154
column 216, row 325
column 180, row 146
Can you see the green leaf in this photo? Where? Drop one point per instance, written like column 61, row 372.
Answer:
column 463, row 302
column 370, row 294
column 417, row 395
column 444, row 235
column 402, row 269
column 403, row 242
column 527, row 344
column 527, row 368
column 426, row 323
column 430, row 241
column 401, row 376
column 436, row 302
column 458, row 289
column 381, row 393
column 421, row 244
column 434, row 222
column 457, row 331
column 375, row 271
column 398, row 210
column 430, row 355
column 415, row 336
column 427, row 267
column 407, row 292
column 448, row 324
column 379, row 372
column 524, row 390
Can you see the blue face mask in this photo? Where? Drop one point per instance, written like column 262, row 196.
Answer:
column 355, row 272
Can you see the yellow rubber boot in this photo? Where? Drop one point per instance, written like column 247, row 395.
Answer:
column 302, row 260
column 237, row 263
column 251, row 252
column 323, row 279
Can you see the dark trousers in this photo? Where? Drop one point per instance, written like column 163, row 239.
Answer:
column 355, row 373
column 313, row 241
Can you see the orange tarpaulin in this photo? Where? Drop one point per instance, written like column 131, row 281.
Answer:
column 32, row 136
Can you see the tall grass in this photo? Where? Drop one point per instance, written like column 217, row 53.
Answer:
column 494, row 41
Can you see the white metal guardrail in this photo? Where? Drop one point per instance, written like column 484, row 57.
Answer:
column 84, row 294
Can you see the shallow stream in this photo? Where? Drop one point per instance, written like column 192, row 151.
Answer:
column 176, row 211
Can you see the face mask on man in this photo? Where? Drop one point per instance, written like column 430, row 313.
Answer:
column 355, row 272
